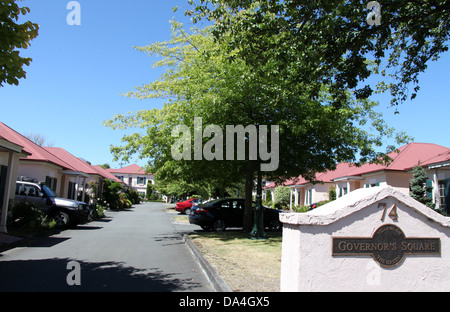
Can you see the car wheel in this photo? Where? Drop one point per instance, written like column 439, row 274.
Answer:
column 61, row 218
column 187, row 211
column 274, row 225
column 219, row 225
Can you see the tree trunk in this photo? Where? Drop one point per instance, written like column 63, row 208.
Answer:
column 248, row 211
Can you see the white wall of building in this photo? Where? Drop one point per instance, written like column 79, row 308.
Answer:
column 307, row 261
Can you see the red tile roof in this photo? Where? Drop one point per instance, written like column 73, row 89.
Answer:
column 76, row 163
column 442, row 157
column 55, row 155
column 80, row 165
column 132, row 169
column 37, row 153
column 107, row 174
column 407, row 157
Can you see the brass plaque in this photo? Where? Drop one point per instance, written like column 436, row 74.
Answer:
column 388, row 246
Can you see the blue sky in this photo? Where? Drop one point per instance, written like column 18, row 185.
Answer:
column 78, row 72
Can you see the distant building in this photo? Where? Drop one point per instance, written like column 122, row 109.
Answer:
column 135, row 177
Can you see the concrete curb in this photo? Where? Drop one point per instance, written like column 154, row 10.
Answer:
column 216, row 281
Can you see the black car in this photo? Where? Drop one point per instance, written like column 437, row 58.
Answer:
column 223, row 213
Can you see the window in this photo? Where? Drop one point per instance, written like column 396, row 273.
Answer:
column 237, row 204
column 20, row 189
column 308, row 194
column 51, row 182
column 119, row 177
column 27, row 190
column 33, row 191
column 224, row 204
column 441, row 194
column 141, row 180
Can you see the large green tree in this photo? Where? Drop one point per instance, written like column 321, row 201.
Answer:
column 14, row 36
column 335, row 42
column 205, row 79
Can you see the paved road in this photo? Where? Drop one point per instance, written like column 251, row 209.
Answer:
column 135, row 250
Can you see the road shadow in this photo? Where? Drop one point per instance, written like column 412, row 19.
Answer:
column 50, row 275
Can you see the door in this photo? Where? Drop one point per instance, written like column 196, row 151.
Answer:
column 447, row 196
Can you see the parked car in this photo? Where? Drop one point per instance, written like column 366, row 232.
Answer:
column 312, row 206
column 185, row 206
column 64, row 211
column 222, row 213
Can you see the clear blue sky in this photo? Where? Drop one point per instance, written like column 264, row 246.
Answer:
column 77, row 73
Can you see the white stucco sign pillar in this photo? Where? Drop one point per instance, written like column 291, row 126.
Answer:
column 372, row 239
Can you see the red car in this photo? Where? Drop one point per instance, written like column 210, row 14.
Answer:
column 185, row 206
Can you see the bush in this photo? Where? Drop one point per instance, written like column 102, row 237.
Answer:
column 298, row 208
column 332, row 193
column 111, row 195
column 305, row 208
column 26, row 219
column 282, row 197
column 153, row 196
column 267, row 203
column 133, row 196
column 99, row 211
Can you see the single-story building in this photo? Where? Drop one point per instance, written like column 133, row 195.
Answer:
column 9, row 163
column 348, row 177
column 75, row 183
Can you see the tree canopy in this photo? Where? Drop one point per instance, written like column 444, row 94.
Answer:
column 14, row 36
column 205, row 79
column 331, row 42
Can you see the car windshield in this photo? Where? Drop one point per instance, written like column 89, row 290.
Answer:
column 49, row 191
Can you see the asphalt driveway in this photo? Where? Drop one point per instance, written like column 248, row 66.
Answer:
column 135, row 250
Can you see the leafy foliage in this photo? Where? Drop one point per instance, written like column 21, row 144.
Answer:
column 27, row 219
column 282, row 197
column 330, row 42
column 133, row 196
column 200, row 81
column 111, row 194
column 14, row 36
column 204, row 78
column 419, row 187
